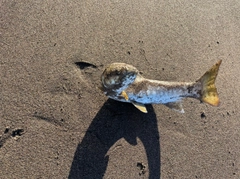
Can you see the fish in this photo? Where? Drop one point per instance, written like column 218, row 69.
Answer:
column 123, row 82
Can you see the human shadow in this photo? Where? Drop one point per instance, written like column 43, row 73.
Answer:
column 116, row 120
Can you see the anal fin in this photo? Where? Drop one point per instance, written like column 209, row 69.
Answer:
column 176, row 106
column 141, row 107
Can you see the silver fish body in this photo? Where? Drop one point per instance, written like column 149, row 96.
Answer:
column 123, row 82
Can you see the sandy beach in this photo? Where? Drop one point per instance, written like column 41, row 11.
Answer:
column 56, row 123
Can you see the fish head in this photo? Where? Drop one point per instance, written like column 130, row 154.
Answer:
column 117, row 77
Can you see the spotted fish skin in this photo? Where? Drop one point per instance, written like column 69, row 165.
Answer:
column 159, row 92
column 123, row 82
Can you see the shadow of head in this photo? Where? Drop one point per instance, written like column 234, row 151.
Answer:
column 114, row 121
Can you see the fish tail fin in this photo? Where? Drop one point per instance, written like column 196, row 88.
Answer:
column 209, row 92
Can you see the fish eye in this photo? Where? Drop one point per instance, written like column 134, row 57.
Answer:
column 113, row 80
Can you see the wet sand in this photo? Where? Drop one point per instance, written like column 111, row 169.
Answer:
column 56, row 123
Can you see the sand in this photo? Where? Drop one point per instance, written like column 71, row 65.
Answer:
column 56, row 123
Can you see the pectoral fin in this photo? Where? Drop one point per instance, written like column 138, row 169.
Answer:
column 124, row 94
column 176, row 106
column 141, row 107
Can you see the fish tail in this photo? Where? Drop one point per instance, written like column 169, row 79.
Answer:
column 209, row 92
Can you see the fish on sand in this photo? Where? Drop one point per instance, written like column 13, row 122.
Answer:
column 123, row 82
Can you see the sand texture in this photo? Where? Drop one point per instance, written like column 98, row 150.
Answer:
column 56, row 123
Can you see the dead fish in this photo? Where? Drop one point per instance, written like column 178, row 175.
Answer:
column 123, row 82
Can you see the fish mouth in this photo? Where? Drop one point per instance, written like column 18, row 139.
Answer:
column 101, row 88
column 107, row 91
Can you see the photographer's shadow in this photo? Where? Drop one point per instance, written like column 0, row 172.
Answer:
column 114, row 121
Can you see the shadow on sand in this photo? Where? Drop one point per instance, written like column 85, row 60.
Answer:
column 114, row 121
